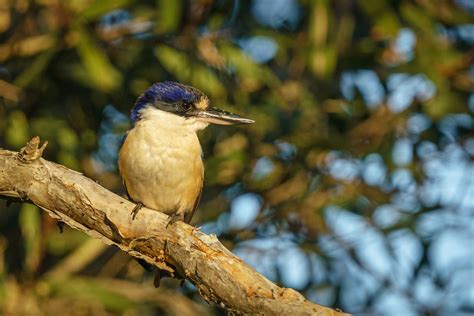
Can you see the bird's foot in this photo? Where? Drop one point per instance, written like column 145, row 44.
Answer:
column 136, row 209
column 160, row 274
column 175, row 217
column 195, row 229
column 157, row 278
column 60, row 225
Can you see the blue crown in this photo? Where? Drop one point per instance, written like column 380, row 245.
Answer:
column 166, row 91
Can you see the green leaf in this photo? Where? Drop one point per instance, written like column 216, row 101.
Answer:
column 35, row 70
column 169, row 15
column 180, row 65
column 99, row 8
column 174, row 62
column 17, row 129
column 101, row 73
column 252, row 75
column 30, row 225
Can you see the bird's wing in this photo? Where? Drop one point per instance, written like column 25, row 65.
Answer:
column 120, row 171
column 126, row 190
column 189, row 215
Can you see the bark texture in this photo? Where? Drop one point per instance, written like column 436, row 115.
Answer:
column 221, row 277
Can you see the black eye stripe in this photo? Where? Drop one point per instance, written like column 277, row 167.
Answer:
column 179, row 107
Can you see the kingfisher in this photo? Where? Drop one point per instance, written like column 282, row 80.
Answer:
column 160, row 160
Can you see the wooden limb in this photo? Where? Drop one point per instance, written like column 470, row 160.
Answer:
column 220, row 277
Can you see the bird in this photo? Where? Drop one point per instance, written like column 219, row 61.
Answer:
column 160, row 160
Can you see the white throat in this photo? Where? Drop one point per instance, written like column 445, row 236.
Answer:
column 166, row 120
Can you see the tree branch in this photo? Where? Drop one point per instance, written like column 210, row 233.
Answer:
column 78, row 201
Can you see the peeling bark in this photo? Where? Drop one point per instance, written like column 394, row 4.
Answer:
column 220, row 277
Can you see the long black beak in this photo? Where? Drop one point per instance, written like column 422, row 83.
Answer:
column 221, row 117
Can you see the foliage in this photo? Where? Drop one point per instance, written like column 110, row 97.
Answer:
column 354, row 186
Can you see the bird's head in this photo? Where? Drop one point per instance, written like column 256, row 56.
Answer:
column 184, row 101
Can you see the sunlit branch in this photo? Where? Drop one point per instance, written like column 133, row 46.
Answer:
column 81, row 203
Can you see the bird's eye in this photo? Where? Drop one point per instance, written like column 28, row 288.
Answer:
column 186, row 106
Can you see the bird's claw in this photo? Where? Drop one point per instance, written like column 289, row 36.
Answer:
column 60, row 225
column 157, row 278
column 160, row 274
column 175, row 217
column 136, row 209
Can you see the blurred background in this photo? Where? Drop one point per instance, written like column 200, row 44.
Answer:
column 355, row 186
